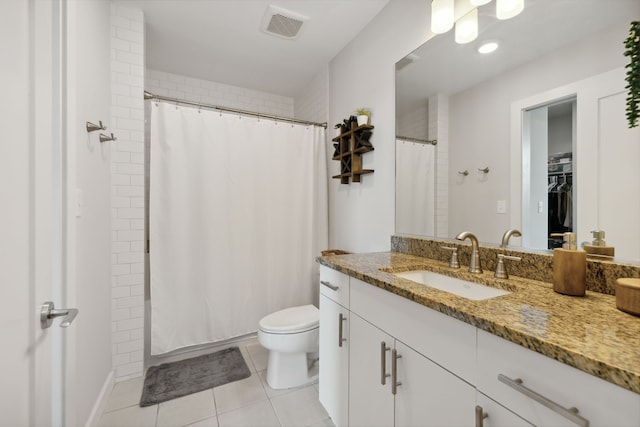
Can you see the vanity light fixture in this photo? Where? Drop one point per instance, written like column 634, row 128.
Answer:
column 444, row 12
column 442, row 16
column 506, row 9
column 467, row 27
column 488, row 47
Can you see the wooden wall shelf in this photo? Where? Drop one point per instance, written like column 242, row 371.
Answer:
column 352, row 144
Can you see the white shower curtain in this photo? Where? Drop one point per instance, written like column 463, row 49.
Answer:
column 415, row 188
column 238, row 214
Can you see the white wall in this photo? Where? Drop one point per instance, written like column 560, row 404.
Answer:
column 560, row 134
column 362, row 215
column 15, row 227
column 89, row 100
column 484, row 140
column 219, row 94
column 127, row 191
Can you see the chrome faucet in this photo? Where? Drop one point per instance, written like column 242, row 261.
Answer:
column 507, row 234
column 474, row 264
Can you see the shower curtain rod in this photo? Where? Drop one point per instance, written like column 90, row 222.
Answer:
column 149, row 95
column 418, row 140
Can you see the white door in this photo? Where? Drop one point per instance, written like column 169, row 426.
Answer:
column 607, row 165
column 334, row 354
column 534, row 176
column 33, row 213
column 429, row 395
column 370, row 402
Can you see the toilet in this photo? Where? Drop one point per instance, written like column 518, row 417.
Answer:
column 291, row 336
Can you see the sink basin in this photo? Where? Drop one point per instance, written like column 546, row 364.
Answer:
column 469, row 290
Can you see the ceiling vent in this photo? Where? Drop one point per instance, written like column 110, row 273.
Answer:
column 407, row 60
column 282, row 23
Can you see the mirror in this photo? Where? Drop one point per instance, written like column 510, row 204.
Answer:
column 462, row 159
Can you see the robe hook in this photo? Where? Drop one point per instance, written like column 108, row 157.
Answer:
column 105, row 138
column 464, row 172
column 485, row 170
column 93, row 127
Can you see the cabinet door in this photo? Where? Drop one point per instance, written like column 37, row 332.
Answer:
column 333, row 380
column 429, row 395
column 370, row 402
column 497, row 415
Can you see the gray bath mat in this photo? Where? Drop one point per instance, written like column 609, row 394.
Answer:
column 171, row 380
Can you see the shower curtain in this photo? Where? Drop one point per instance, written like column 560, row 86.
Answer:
column 415, row 188
column 237, row 216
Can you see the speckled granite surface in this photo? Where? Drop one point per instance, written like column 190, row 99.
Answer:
column 536, row 265
column 588, row 333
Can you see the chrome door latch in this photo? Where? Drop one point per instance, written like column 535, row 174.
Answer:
column 48, row 312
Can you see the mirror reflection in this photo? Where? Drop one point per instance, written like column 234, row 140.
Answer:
column 532, row 136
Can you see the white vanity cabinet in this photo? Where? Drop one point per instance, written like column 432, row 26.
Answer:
column 448, row 373
column 527, row 378
column 425, row 393
column 334, row 344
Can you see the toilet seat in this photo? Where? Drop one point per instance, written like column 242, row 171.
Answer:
column 291, row 320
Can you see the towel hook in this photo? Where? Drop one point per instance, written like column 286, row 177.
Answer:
column 485, row 170
column 93, row 127
column 464, row 172
column 105, row 138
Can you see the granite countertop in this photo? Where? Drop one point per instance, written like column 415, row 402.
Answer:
column 588, row 333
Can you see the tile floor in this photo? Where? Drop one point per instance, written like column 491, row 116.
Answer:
column 249, row 402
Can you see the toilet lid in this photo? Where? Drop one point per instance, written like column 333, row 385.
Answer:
column 294, row 319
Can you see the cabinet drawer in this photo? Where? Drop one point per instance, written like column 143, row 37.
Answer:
column 443, row 339
column 598, row 401
column 334, row 285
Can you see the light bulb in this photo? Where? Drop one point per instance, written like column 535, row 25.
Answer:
column 441, row 16
column 467, row 27
column 506, row 9
column 488, row 47
column 479, row 2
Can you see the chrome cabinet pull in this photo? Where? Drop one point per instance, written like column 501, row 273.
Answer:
column 571, row 414
column 329, row 285
column 341, row 319
column 394, row 371
column 383, row 363
column 480, row 416
column 48, row 312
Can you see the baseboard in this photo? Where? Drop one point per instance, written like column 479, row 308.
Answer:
column 101, row 401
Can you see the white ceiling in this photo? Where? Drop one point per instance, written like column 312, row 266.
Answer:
column 221, row 40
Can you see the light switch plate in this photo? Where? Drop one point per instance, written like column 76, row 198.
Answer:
column 501, row 207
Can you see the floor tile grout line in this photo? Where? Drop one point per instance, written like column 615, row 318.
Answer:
column 273, row 408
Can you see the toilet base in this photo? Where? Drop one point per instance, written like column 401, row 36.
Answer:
column 288, row 370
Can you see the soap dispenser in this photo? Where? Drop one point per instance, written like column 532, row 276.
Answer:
column 599, row 246
column 569, row 267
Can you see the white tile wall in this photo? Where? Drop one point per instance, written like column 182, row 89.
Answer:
column 208, row 92
column 312, row 105
column 439, row 129
column 127, row 192
column 414, row 124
